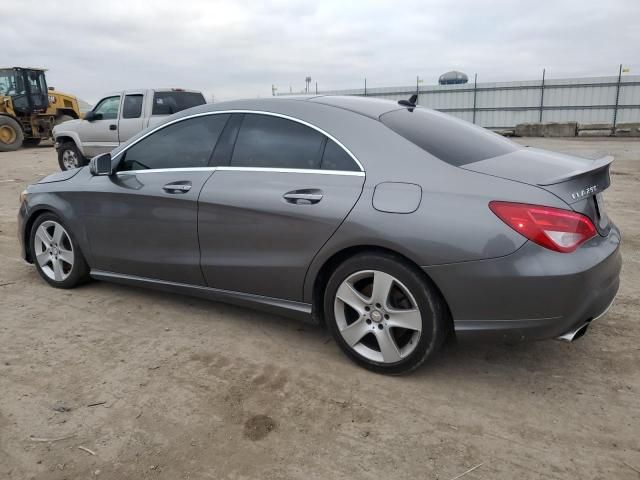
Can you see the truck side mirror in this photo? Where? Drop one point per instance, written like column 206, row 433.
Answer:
column 101, row 165
column 90, row 116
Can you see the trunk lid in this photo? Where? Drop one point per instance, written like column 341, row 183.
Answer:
column 578, row 181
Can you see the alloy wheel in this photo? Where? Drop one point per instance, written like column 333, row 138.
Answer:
column 54, row 250
column 377, row 316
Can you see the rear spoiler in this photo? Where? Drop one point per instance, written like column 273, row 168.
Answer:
column 597, row 165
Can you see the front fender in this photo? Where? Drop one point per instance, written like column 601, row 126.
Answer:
column 62, row 135
column 65, row 207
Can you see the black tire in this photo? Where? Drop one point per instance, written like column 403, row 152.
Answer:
column 79, row 271
column 431, row 305
column 11, row 134
column 31, row 142
column 67, row 152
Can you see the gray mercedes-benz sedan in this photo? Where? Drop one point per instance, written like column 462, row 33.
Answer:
column 395, row 225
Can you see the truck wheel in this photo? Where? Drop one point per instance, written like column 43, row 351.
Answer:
column 31, row 142
column 63, row 118
column 69, row 156
column 11, row 135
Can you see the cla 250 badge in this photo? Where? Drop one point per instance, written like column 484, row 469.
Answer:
column 584, row 192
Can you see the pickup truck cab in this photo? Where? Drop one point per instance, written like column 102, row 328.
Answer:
column 115, row 119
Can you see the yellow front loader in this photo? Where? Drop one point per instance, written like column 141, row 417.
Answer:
column 29, row 109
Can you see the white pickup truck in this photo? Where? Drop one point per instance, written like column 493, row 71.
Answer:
column 115, row 119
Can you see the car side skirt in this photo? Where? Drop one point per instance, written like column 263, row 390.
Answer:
column 288, row 308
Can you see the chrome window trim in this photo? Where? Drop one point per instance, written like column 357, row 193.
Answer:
column 166, row 170
column 293, row 170
column 258, row 112
column 244, row 169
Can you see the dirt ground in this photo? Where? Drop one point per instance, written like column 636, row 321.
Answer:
column 188, row 389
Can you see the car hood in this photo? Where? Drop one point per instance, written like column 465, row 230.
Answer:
column 68, row 125
column 60, row 176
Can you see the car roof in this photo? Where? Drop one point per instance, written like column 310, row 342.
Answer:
column 367, row 106
column 333, row 115
column 354, row 122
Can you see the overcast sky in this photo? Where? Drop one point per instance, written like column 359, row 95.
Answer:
column 239, row 48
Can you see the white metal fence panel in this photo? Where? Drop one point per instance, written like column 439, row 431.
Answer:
column 506, row 104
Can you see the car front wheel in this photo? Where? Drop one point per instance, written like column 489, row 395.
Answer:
column 69, row 157
column 384, row 314
column 56, row 253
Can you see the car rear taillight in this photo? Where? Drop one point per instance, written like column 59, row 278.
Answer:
column 553, row 228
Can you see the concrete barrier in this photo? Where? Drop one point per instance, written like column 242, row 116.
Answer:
column 595, row 133
column 595, row 129
column 571, row 129
column 505, row 132
column 628, row 130
column 595, row 126
column 529, row 130
column 559, row 129
column 549, row 129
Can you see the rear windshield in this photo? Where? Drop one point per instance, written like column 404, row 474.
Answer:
column 168, row 103
column 450, row 139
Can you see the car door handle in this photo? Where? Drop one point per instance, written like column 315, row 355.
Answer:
column 303, row 197
column 177, row 187
column 113, row 127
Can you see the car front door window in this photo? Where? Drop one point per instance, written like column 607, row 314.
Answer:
column 185, row 144
column 108, row 108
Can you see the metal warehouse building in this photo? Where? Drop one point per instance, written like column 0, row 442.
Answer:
column 588, row 100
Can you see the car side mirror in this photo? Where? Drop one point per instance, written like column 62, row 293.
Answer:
column 90, row 116
column 101, row 165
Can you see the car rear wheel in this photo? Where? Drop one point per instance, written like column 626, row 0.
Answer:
column 69, row 157
column 56, row 253
column 384, row 314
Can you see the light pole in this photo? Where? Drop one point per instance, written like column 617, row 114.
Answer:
column 308, row 81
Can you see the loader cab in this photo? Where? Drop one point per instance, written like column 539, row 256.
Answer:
column 27, row 88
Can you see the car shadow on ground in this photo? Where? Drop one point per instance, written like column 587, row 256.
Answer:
column 462, row 360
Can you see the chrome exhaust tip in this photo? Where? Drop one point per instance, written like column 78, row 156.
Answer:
column 577, row 332
column 574, row 334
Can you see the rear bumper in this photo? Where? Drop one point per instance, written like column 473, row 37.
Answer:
column 533, row 293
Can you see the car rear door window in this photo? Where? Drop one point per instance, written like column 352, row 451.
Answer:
column 132, row 107
column 266, row 141
column 168, row 103
column 185, row 144
column 450, row 139
column 336, row 158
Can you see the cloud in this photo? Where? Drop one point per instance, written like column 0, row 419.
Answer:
column 236, row 49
